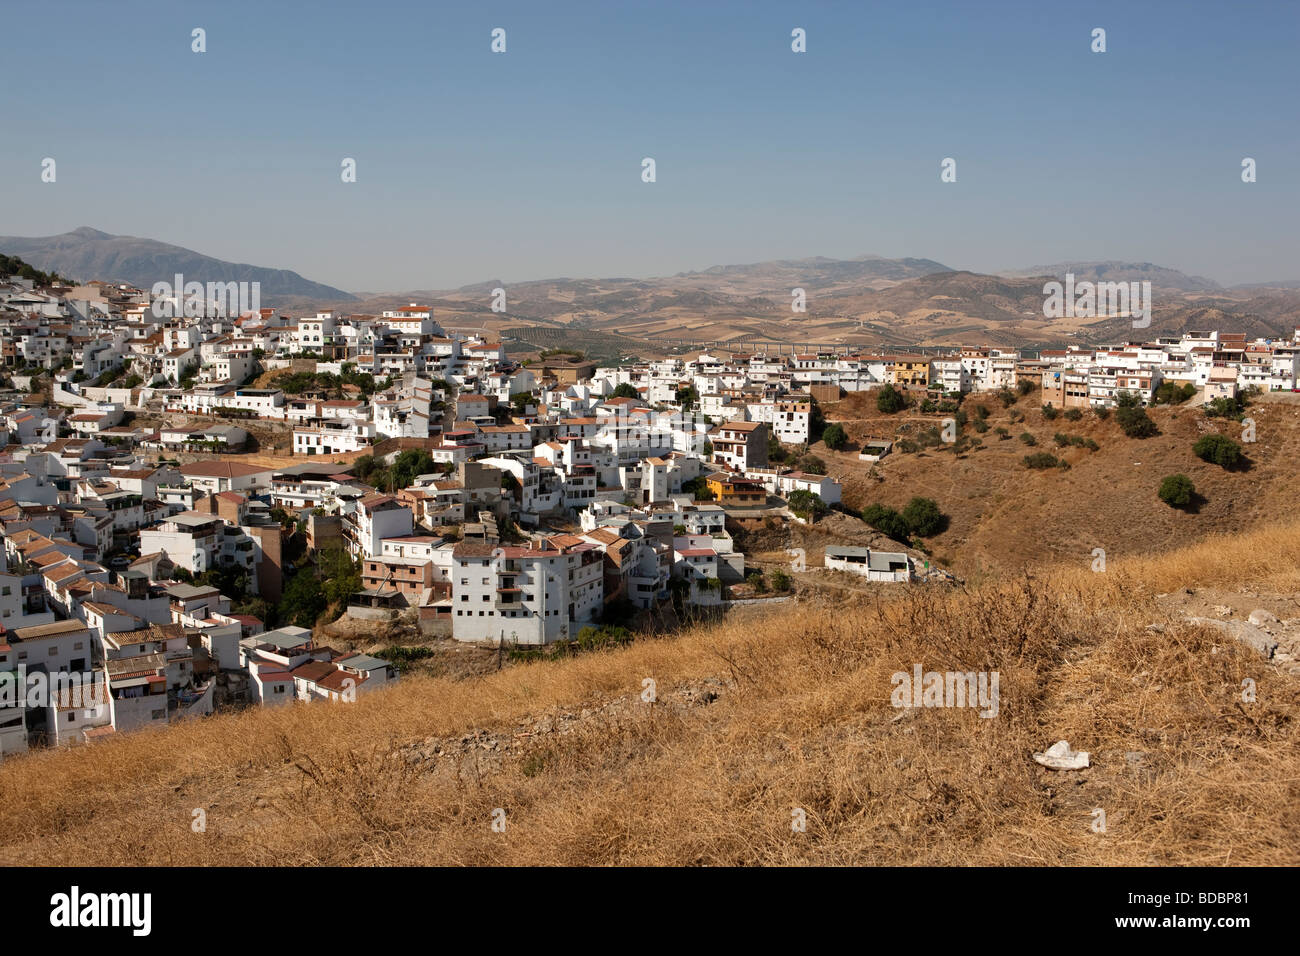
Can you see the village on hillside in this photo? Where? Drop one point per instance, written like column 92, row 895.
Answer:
column 184, row 495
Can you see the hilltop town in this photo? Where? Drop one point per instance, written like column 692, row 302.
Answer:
column 188, row 497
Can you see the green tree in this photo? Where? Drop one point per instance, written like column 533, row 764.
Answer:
column 1218, row 449
column 1135, row 421
column 409, row 465
column 811, row 464
column 807, row 504
column 1041, row 460
column 1177, row 491
column 923, row 518
column 834, row 436
column 890, row 400
column 887, row 521
column 303, row 600
column 340, row 575
column 1171, row 393
column 626, row 390
column 1224, row 407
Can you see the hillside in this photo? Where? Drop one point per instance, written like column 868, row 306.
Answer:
column 90, row 254
column 754, row 716
column 1006, row 518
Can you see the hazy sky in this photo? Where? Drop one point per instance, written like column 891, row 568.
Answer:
column 474, row 166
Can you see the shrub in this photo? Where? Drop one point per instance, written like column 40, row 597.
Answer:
column 807, row 504
column 834, row 436
column 981, row 425
column 923, row 518
column 1224, row 408
column 1168, row 393
column 1007, row 397
column 780, row 580
column 1028, row 439
column 890, row 400
column 886, row 521
column 1024, row 386
column 1050, row 412
column 1061, row 439
column 756, row 581
column 1177, row 491
column 929, row 438
column 1041, row 460
column 1073, row 415
column 1002, row 433
column 1135, row 421
column 811, row 464
column 1102, row 412
column 1218, row 449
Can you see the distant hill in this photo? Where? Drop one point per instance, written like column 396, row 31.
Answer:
column 869, row 300
column 1160, row 277
column 820, row 272
column 1280, row 284
column 91, row 254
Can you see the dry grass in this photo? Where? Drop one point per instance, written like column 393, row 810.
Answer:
column 1185, row 773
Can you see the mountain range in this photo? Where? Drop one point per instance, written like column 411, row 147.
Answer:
column 869, row 300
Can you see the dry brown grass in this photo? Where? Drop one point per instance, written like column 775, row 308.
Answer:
column 1185, row 773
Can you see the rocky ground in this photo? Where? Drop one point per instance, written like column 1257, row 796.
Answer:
column 1267, row 622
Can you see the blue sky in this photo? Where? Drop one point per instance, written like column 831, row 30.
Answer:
column 474, row 166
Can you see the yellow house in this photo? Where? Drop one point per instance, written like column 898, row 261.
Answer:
column 910, row 371
column 729, row 490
